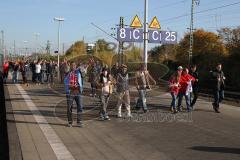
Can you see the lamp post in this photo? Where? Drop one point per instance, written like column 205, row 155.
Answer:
column 145, row 43
column 59, row 20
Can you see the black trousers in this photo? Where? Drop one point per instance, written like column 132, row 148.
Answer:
column 194, row 96
column 218, row 97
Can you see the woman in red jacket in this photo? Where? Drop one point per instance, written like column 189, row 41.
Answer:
column 174, row 87
column 5, row 71
column 185, row 90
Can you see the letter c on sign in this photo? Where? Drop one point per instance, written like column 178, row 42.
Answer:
column 134, row 34
column 153, row 35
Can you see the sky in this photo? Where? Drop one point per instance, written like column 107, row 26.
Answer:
column 20, row 19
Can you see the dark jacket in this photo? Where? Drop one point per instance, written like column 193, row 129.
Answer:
column 217, row 85
column 33, row 67
column 195, row 85
column 122, row 82
column 50, row 68
column 16, row 67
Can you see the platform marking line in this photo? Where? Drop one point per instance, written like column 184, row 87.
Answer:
column 60, row 150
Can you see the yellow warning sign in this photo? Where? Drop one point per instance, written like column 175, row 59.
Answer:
column 136, row 23
column 155, row 24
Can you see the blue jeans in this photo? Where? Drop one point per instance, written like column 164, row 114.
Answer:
column 70, row 99
column 142, row 99
column 43, row 76
column 5, row 77
column 38, row 77
column 50, row 78
column 218, row 97
column 103, row 110
column 187, row 98
column 174, row 99
column 15, row 77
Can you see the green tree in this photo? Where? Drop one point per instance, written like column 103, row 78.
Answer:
column 103, row 52
column 101, row 45
column 163, row 53
column 208, row 49
column 134, row 54
column 77, row 48
column 231, row 38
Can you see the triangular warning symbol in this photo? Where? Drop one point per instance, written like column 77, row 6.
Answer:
column 155, row 24
column 136, row 23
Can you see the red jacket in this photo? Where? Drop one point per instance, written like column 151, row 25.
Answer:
column 5, row 67
column 184, row 80
column 173, row 89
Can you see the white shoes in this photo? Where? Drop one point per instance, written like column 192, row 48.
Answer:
column 129, row 115
column 119, row 115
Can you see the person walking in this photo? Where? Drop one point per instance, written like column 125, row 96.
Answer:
column 38, row 72
column 15, row 72
column 142, row 82
column 195, row 85
column 122, row 84
column 5, row 71
column 185, row 89
column 25, row 70
column 43, row 71
column 218, row 80
column 74, row 87
column 174, row 86
column 50, row 72
column 33, row 69
column 105, row 84
column 92, row 79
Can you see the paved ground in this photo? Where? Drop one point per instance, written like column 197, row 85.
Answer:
column 40, row 117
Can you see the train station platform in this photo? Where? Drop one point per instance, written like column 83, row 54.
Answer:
column 38, row 114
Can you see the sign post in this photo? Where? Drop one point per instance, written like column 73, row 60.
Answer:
column 145, row 34
column 153, row 35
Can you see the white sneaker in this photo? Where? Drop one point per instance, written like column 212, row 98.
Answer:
column 107, row 118
column 119, row 115
column 129, row 115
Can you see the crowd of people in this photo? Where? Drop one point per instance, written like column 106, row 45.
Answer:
column 186, row 84
column 182, row 84
column 41, row 71
column 106, row 80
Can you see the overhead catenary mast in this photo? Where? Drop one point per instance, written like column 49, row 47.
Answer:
column 191, row 33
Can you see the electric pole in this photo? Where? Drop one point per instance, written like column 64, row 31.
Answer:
column 191, row 33
column 120, row 46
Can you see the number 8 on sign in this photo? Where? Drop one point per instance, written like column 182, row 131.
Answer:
column 122, row 33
